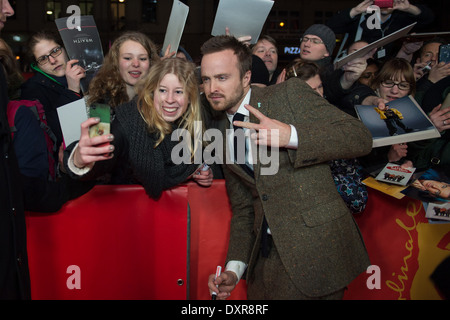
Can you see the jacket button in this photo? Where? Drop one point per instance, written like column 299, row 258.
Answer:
column 265, row 197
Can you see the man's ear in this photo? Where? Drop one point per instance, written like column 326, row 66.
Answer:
column 247, row 77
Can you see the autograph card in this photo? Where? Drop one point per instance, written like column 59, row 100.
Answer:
column 394, row 173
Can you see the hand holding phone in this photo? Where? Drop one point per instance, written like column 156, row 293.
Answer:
column 384, row 3
column 444, row 53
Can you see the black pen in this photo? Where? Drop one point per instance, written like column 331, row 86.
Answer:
column 218, row 271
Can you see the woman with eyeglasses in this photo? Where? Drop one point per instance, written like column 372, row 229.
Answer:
column 56, row 81
column 43, row 190
column 395, row 80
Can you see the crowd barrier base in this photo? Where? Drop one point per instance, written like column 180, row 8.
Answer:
column 116, row 243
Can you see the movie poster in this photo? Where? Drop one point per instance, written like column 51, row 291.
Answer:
column 82, row 43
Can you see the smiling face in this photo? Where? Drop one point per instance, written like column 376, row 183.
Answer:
column 170, row 99
column 134, row 62
column 54, row 66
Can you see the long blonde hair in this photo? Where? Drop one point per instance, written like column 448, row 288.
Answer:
column 191, row 119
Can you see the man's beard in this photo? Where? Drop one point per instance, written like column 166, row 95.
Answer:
column 227, row 104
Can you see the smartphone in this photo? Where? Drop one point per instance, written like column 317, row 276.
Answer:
column 102, row 111
column 384, row 3
column 444, row 53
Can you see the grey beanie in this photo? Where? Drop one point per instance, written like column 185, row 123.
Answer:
column 325, row 34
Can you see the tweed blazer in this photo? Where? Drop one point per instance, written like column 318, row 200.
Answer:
column 315, row 234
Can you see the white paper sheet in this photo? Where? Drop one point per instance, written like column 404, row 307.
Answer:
column 242, row 18
column 71, row 116
column 175, row 27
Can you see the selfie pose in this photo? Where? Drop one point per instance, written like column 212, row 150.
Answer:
column 141, row 132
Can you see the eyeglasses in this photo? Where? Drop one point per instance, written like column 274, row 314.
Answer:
column 313, row 40
column 54, row 53
column 390, row 84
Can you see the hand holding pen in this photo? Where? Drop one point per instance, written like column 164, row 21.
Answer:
column 221, row 286
column 218, row 271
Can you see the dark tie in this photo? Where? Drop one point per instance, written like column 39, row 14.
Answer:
column 239, row 133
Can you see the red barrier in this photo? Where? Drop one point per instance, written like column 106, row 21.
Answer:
column 210, row 227
column 128, row 246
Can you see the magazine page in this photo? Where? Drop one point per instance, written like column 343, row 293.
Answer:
column 402, row 121
column 242, row 18
column 433, row 188
column 83, row 44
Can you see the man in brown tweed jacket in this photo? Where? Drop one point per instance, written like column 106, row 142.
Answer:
column 313, row 249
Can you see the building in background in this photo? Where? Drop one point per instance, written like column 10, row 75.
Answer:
column 286, row 22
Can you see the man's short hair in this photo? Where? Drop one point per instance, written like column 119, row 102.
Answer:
column 268, row 39
column 224, row 42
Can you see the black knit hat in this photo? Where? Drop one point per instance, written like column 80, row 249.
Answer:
column 325, row 34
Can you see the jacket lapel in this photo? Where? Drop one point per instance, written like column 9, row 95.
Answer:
column 257, row 102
